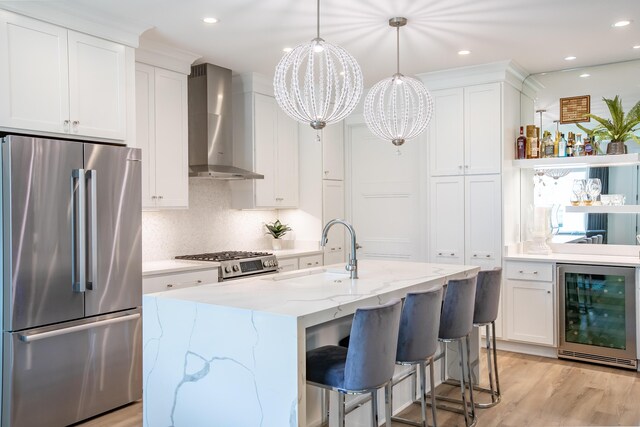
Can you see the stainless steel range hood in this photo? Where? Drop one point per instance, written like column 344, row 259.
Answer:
column 210, row 125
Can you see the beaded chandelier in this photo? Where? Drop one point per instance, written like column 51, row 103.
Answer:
column 317, row 82
column 398, row 108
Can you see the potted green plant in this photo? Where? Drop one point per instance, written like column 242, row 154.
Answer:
column 619, row 128
column 277, row 230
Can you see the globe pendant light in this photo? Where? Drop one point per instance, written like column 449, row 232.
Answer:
column 317, row 82
column 398, row 108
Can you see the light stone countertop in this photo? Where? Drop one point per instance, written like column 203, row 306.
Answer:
column 621, row 260
column 152, row 268
column 323, row 292
column 292, row 253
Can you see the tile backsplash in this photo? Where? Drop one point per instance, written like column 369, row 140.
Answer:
column 208, row 225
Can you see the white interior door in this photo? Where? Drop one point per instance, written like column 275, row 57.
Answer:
column 385, row 196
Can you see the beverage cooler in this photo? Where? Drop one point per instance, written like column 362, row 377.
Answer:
column 597, row 321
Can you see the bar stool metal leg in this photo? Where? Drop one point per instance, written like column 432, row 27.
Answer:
column 462, row 384
column 470, row 381
column 423, row 393
column 433, row 392
column 341, row 413
column 388, row 410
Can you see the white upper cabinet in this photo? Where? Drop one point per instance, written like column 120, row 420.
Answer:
column 482, row 129
column 35, row 86
column 268, row 145
column 161, row 133
column 465, row 132
column 333, row 152
column 446, row 133
column 97, row 87
column 60, row 81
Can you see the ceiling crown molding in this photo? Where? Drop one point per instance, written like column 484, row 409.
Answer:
column 501, row 71
column 161, row 55
column 85, row 21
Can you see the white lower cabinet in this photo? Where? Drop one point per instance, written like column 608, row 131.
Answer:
column 465, row 221
column 171, row 281
column 287, row 264
column 529, row 302
column 309, row 261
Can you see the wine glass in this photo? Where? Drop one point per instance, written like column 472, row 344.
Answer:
column 579, row 189
column 594, row 187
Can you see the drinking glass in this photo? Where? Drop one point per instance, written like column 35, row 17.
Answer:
column 594, row 187
column 579, row 189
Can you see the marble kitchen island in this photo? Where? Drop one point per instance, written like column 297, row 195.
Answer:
column 233, row 353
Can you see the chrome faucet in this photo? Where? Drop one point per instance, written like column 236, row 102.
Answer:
column 352, row 267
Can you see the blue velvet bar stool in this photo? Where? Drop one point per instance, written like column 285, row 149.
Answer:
column 485, row 313
column 418, row 343
column 366, row 365
column 456, row 324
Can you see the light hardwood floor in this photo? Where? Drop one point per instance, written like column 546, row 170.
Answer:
column 536, row 391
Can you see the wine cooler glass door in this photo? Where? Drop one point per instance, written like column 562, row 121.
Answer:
column 597, row 313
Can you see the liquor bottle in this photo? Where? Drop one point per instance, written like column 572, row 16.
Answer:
column 547, row 143
column 556, row 141
column 571, row 149
column 568, row 147
column 562, row 145
column 588, row 147
column 578, row 147
column 521, row 145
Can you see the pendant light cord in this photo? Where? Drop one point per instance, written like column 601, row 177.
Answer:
column 398, row 49
column 318, row 20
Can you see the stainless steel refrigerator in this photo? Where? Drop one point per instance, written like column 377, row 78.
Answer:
column 72, row 280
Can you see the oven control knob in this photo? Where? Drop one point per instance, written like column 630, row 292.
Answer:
column 236, row 268
column 227, row 269
column 265, row 263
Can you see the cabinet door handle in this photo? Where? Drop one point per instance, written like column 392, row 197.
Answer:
column 548, row 292
column 475, row 255
column 195, row 282
column 459, row 166
column 65, row 124
column 453, row 254
column 279, row 199
column 74, row 125
column 440, row 253
column 522, row 272
column 326, row 172
column 154, row 197
column 488, row 256
column 160, row 197
column 466, row 166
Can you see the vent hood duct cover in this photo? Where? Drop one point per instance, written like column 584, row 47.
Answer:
column 210, row 125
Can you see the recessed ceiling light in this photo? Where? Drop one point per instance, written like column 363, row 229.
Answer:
column 210, row 20
column 585, row 75
column 464, row 52
column 637, row 47
column 287, row 49
column 621, row 24
column 569, row 58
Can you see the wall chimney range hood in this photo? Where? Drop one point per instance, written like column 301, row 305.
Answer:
column 210, row 125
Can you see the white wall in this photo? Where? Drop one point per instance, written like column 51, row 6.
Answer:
column 208, row 225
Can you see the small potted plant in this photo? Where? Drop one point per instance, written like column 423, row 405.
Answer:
column 277, row 230
column 619, row 128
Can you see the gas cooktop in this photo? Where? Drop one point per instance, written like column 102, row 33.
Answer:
column 223, row 256
column 237, row 264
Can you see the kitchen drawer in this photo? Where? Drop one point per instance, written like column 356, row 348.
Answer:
column 310, row 261
column 169, row 282
column 289, row 264
column 532, row 271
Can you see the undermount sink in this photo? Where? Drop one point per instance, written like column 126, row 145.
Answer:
column 323, row 274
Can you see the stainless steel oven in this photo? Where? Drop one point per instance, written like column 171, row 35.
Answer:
column 597, row 321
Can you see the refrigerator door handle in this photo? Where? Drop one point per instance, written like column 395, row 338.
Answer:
column 78, row 233
column 93, row 224
column 27, row 338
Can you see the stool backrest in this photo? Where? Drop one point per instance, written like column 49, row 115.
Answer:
column 372, row 348
column 487, row 296
column 456, row 320
column 419, row 325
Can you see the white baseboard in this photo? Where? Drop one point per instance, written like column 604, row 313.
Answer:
column 518, row 347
